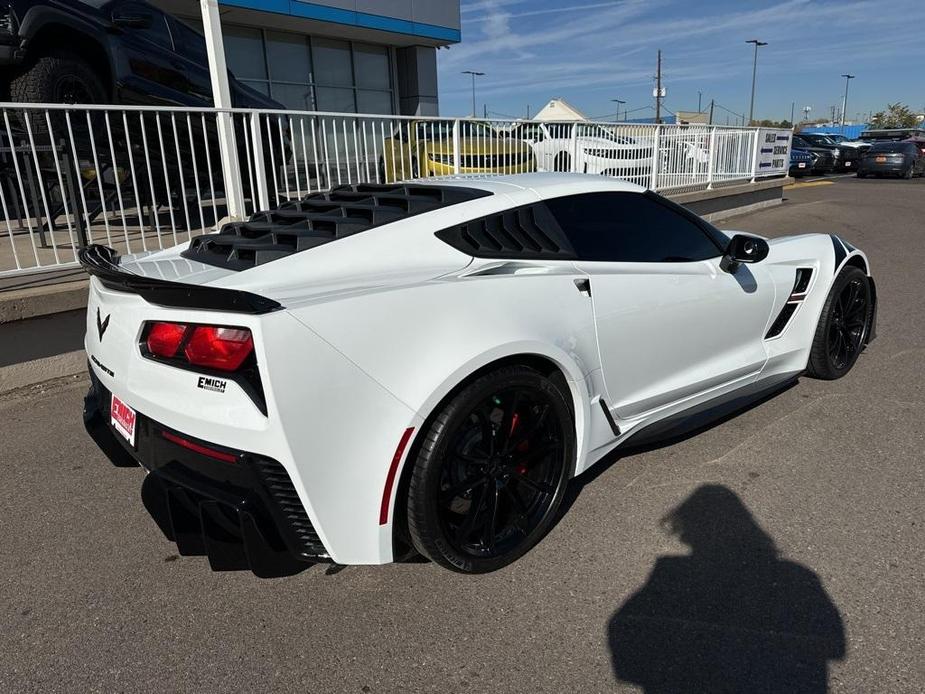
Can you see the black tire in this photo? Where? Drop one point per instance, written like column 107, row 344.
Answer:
column 562, row 163
column 843, row 326
column 861, row 175
column 60, row 78
column 458, row 502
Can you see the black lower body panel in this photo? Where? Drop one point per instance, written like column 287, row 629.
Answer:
column 241, row 511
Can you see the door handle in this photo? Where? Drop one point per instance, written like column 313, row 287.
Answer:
column 584, row 286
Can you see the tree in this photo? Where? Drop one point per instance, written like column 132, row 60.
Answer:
column 896, row 116
column 783, row 124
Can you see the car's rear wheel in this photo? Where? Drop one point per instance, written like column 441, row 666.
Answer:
column 492, row 471
column 843, row 325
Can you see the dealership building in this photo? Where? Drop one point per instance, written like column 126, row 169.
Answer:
column 355, row 56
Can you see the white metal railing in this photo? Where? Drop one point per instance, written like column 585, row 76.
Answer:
column 142, row 178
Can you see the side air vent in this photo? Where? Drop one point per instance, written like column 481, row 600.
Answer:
column 800, row 286
column 804, row 275
column 319, row 218
column 527, row 233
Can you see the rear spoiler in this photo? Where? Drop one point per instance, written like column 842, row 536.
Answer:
column 103, row 262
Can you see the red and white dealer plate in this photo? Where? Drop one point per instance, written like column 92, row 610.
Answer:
column 122, row 417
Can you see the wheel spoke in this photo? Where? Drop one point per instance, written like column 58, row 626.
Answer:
column 466, row 485
column 539, row 487
column 538, row 453
column 488, row 438
column 491, row 524
column 504, row 432
column 466, row 528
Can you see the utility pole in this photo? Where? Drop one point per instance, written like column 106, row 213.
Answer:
column 751, row 108
column 711, row 112
column 792, row 106
column 485, row 111
column 658, row 90
column 844, row 105
column 699, row 101
column 834, row 109
column 528, row 111
column 474, row 75
column 618, row 102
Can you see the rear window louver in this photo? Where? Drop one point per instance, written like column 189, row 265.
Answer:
column 529, row 233
column 319, row 218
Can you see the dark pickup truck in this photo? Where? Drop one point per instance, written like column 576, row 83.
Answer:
column 106, row 52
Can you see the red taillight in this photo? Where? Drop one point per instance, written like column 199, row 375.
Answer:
column 224, row 349
column 164, row 339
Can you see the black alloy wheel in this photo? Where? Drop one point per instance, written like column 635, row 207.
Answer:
column 492, row 471
column 842, row 330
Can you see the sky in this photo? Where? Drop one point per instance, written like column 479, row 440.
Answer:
column 589, row 52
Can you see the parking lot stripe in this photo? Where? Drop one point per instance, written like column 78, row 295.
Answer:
column 809, row 184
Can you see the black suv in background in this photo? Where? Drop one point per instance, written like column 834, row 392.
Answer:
column 844, row 158
column 106, row 52
column 824, row 156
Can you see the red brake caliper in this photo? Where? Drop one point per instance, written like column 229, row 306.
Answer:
column 522, row 447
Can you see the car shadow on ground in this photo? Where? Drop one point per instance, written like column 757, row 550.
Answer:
column 731, row 616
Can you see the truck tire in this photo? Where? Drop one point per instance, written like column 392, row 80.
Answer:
column 61, row 78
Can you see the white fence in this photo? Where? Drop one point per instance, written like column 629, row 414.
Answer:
column 140, row 179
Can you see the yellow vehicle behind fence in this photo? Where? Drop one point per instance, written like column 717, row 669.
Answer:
column 426, row 148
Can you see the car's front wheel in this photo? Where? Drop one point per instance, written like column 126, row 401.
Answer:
column 842, row 329
column 492, row 471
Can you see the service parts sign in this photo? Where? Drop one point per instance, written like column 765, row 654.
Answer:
column 773, row 152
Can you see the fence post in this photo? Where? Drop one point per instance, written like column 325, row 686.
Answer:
column 260, row 170
column 755, row 149
column 653, row 182
column 712, row 162
column 456, row 154
column 221, row 92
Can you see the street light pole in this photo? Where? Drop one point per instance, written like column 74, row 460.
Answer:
column 699, row 101
column 618, row 102
column 474, row 75
column 751, row 108
column 844, row 106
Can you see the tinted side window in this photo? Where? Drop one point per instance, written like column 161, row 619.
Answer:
column 630, row 227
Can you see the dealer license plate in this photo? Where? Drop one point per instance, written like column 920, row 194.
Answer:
column 801, row 165
column 122, row 417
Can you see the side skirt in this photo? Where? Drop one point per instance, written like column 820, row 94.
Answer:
column 709, row 412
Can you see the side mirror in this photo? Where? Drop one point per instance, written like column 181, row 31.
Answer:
column 743, row 248
column 131, row 20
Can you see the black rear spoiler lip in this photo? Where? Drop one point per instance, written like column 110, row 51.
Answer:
column 103, row 263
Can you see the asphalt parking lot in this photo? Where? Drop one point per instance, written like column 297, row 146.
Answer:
column 831, row 474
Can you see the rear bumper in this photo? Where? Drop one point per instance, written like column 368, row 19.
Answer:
column 243, row 514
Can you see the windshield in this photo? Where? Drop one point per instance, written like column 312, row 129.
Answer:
column 819, row 139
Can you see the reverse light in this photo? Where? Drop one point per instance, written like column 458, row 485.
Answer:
column 219, row 348
column 164, row 339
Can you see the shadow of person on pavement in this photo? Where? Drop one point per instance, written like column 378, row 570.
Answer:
column 731, row 616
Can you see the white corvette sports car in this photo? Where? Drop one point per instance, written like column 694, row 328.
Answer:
column 423, row 366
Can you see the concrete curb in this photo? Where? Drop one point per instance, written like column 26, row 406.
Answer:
column 18, row 304
column 32, row 372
